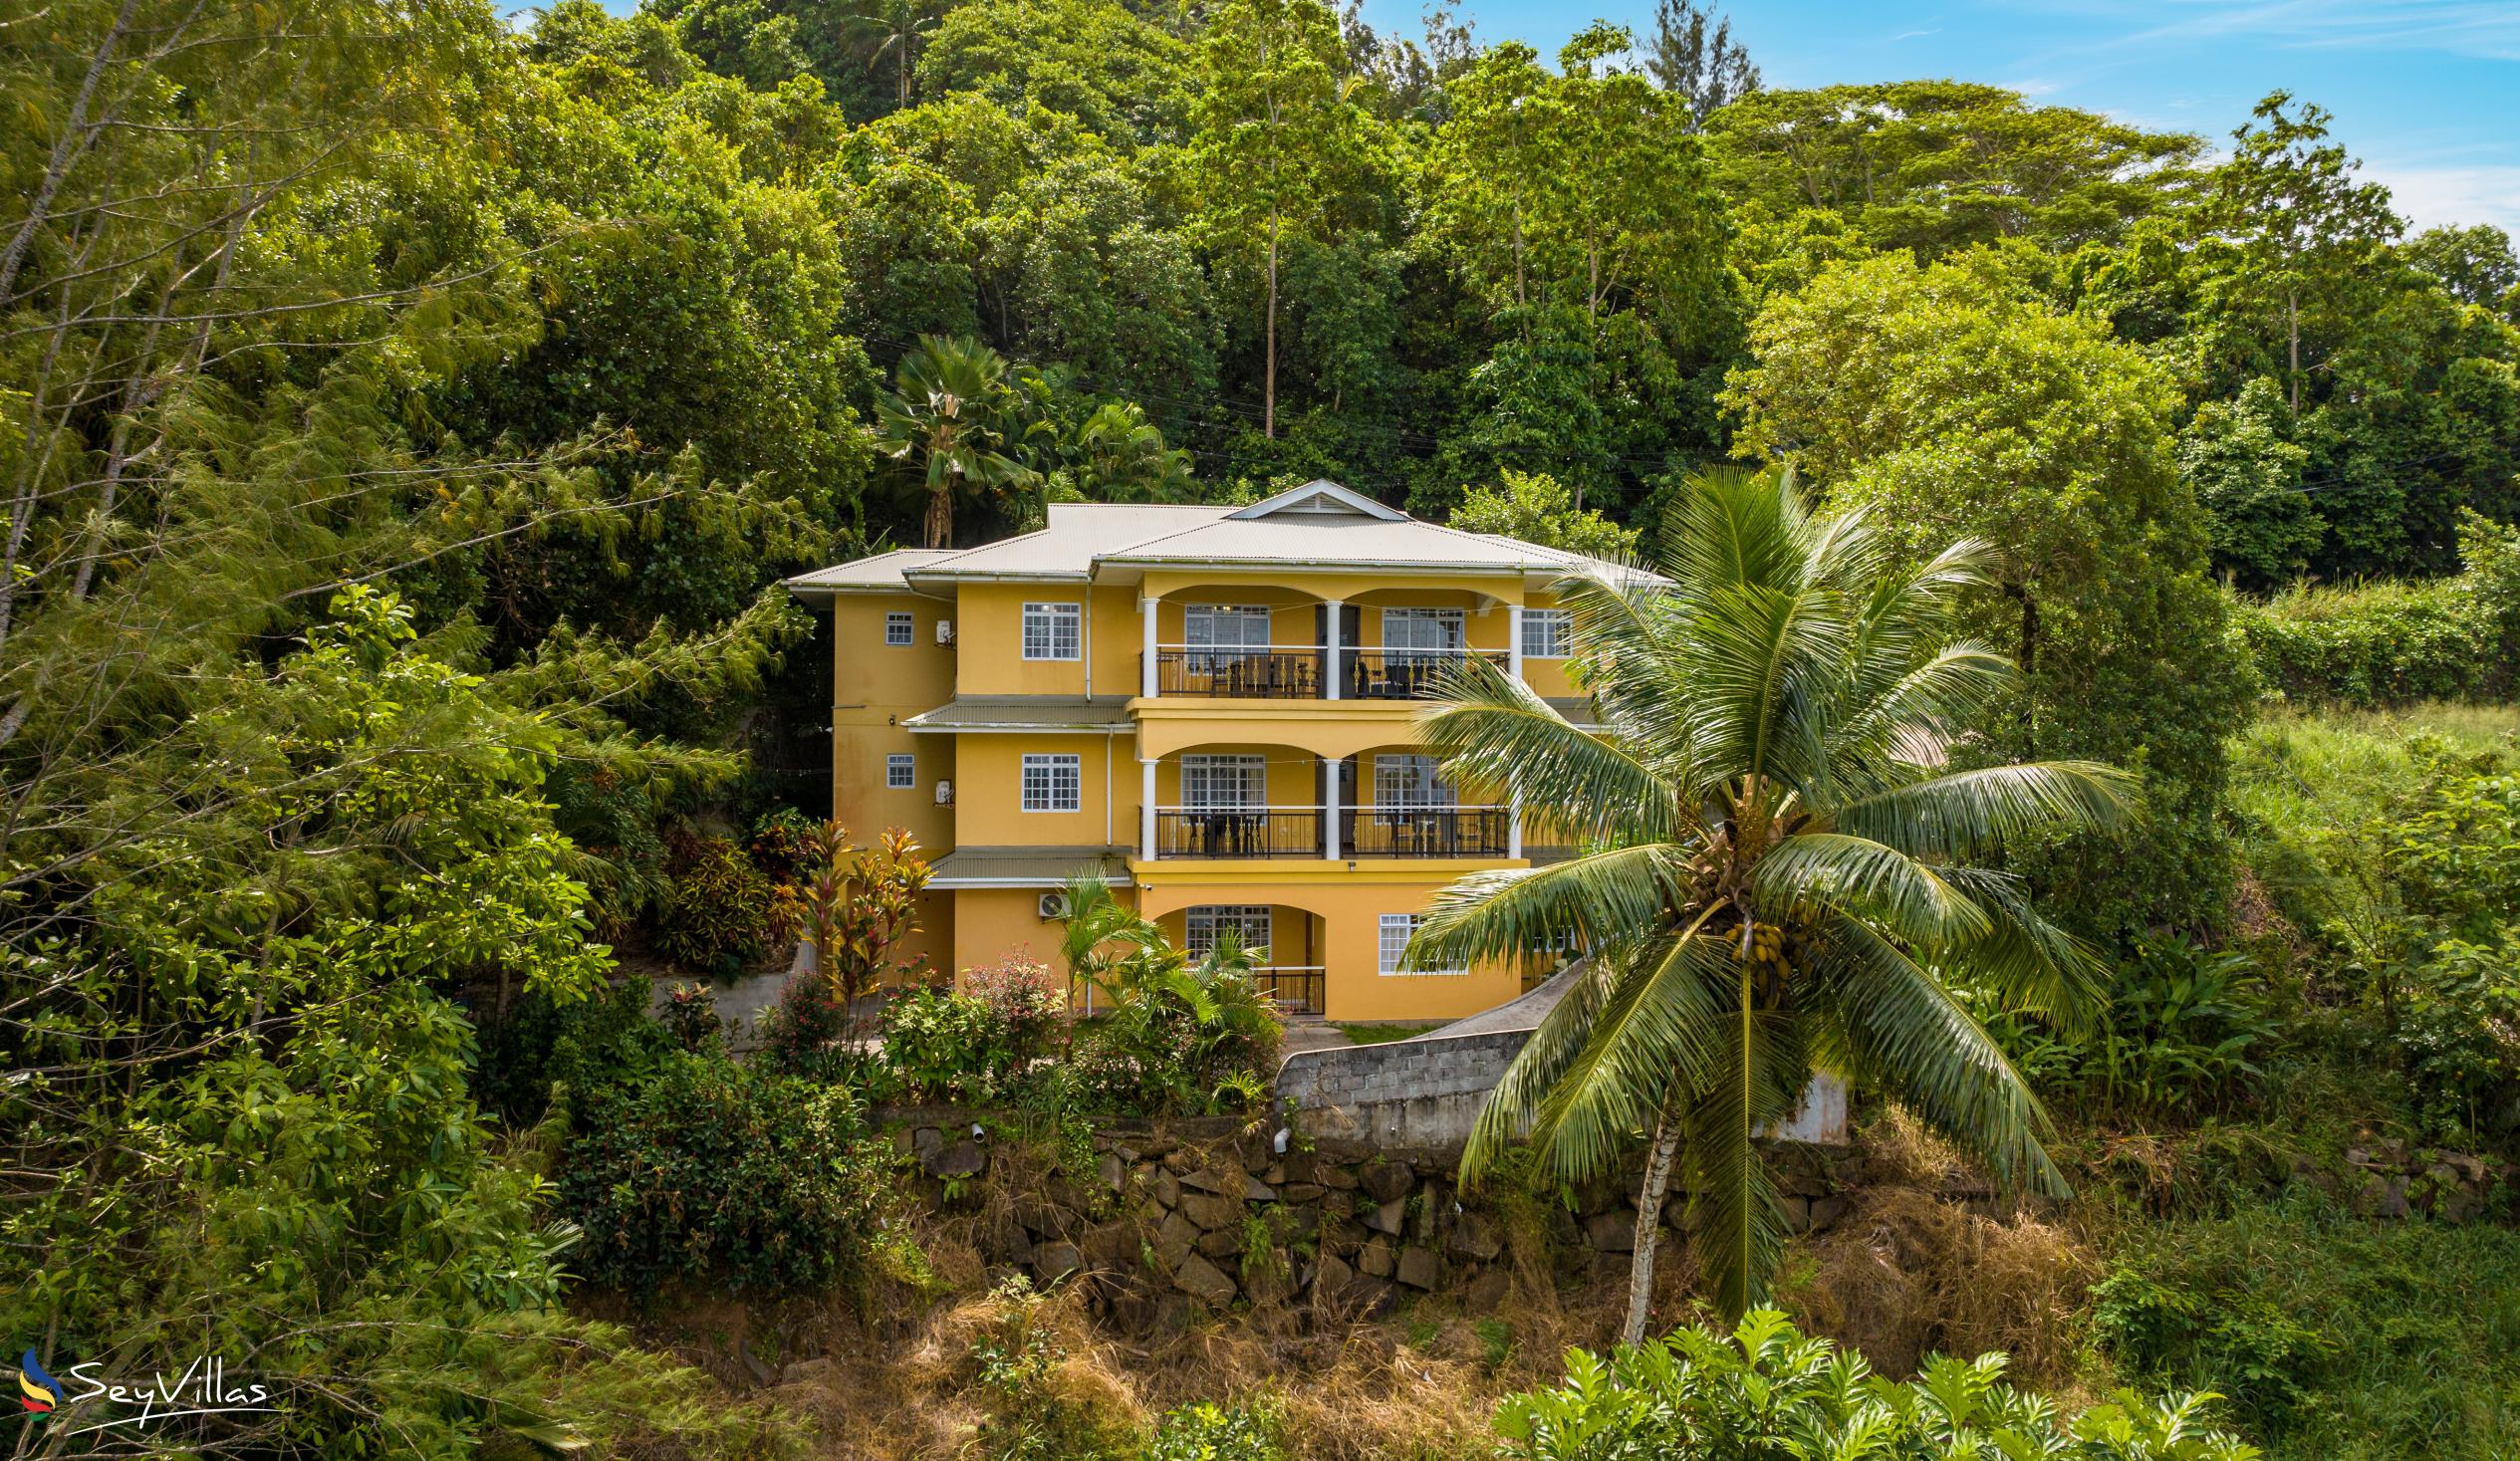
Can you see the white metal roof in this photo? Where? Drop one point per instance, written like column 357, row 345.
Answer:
column 1320, row 525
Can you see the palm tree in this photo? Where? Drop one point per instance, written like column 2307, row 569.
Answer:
column 946, row 420
column 1776, row 868
column 896, row 26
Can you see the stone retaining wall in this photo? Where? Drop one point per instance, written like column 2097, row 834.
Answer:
column 1188, row 1217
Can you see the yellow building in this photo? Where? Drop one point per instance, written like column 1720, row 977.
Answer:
column 1214, row 706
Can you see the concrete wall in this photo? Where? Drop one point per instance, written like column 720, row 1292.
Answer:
column 1423, row 1095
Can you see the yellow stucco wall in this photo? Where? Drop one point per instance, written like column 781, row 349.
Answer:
column 875, row 688
column 1348, row 905
column 988, row 792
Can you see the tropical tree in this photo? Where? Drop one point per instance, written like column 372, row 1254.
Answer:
column 946, row 420
column 1781, row 870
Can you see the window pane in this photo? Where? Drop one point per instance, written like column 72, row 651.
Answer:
column 1052, row 630
column 1224, row 781
column 1545, row 634
column 1410, row 781
column 901, row 772
column 1250, row 922
column 1424, row 628
column 896, row 629
column 1053, row 783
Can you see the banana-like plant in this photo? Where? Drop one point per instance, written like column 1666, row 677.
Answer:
column 1778, row 867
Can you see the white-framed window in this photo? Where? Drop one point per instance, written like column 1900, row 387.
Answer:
column 898, row 628
column 1225, row 625
column 1224, row 783
column 1424, row 629
column 1410, row 781
column 1053, row 782
column 1393, row 941
column 1545, row 634
column 900, row 773
column 1054, row 632
column 1250, row 922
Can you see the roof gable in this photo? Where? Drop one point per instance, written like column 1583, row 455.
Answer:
column 1320, row 497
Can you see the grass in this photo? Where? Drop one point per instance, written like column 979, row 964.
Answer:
column 1368, row 1034
column 2338, row 1338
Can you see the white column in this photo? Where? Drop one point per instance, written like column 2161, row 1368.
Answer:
column 1332, row 670
column 1329, row 809
column 1148, row 615
column 1514, row 826
column 1146, row 809
column 1514, row 644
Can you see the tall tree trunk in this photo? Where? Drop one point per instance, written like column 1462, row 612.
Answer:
column 76, row 136
column 2029, row 662
column 940, row 518
column 1269, row 382
column 1666, row 1145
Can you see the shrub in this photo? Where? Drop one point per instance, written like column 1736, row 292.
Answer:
column 1206, row 1432
column 1024, row 999
column 2459, row 1035
column 798, row 1033
column 945, row 1045
column 690, row 1017
column 715, row 1171
column 1767, row 1390
column 580, row 1044
column 717, row 913
column 2389, row 644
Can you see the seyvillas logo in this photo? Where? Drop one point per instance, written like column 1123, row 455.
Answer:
column 37, row 1391
column 101, row 1404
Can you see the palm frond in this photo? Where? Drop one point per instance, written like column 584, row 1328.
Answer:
column 1891, row 1024
column 1966, row 812
column 1601, row 898
column 1494, row 730
column 1817, row 871
column 1651, row 1033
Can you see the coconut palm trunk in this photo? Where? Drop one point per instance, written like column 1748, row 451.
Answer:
column 1782, row 866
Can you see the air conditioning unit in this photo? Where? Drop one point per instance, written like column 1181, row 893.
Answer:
column 1054, row 906
column 945, row 631
column 944, row 794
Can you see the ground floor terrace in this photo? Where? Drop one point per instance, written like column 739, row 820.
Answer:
column 1327, row 936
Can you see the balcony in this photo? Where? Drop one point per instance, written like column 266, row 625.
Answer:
column 1238, row 831
column 1241, row 675
column 1403, row 674
column 1280, row 673
column 1241, row 833
column 1428, row 831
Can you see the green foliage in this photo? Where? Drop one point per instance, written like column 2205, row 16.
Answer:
column 2334, row 1337
column 1178, row 1037
column 2185, row 1037
column 1765, row 1389
column 1958, row 403
column 717, row 916
column 1032, row 1416
column 1210, row 1432
column 690, row 1017
column 714, row 1172
column 947, row 1046
column 1535, row 508
column 2391, row 642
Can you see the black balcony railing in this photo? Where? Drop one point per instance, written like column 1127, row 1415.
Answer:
column 1252, row 674
column 1427, row 831
column 1402, row 674
column 1252, row 831
column 1295, row 990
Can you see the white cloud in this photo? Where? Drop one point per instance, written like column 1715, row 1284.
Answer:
column 2429, row 196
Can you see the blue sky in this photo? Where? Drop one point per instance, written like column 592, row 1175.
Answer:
column 2425, row 92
